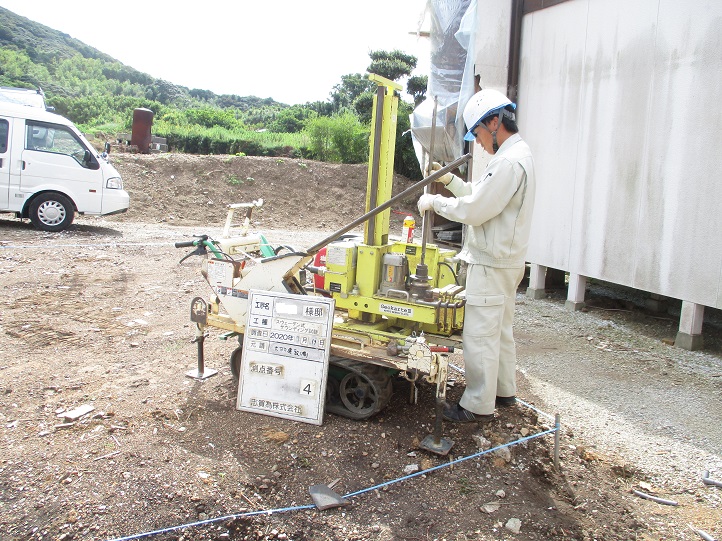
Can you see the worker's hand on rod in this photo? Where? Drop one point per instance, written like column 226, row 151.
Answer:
column 426, row 202
column 444, row 179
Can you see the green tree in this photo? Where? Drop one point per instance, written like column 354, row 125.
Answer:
column 205, row 95
column 338, row 138
column 405, row 161
column 165, row 92
column 364, row 105
column 291, row 119
column 319, row 130
column 393, row 65
column 260, row 116
column 350, row 138
column 321, row 108
column 210, row 117
column 416, row 87
column 17, row 69
column 350, row 87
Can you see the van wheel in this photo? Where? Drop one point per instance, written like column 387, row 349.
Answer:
column 51, row 212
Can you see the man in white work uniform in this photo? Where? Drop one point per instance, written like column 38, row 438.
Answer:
column 497, row 209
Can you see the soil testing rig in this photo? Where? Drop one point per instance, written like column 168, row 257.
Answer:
column 399, row 306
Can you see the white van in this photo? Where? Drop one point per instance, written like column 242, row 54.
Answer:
column 49, row 171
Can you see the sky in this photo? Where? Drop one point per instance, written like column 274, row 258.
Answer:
column 293, row 51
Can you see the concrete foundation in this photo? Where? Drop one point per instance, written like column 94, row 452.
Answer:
column 690, row 326
column 576, row 292
column 690, row 342
column 537, row 282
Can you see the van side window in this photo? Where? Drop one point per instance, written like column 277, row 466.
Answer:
column 4, row 130
column 53, row 138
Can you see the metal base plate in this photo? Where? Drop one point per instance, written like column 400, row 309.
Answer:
column 207, row 373
column 443, row 446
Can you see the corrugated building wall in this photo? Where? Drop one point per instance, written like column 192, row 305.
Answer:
column 620, row 103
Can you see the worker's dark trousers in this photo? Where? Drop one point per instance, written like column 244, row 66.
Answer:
column 488, row 341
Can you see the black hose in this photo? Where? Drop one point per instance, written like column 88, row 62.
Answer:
column 453, row 272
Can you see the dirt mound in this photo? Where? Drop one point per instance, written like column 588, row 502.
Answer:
column 186, row 189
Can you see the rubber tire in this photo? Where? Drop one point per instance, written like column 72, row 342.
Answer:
column 358, row 395
column 359, row 375
column 236, row 362
column 236, row 357
column 52, row 201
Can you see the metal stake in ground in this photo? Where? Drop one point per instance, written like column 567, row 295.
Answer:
column 201, row 373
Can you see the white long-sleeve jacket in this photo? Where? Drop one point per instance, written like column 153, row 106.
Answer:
column 497, row 207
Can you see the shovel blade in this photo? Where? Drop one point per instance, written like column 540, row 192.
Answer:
column 325, row 498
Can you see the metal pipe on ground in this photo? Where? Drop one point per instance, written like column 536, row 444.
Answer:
column 707, row 480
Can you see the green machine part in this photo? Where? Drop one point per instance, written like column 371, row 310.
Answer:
column 440, row 261
column 354, row 268
column 354, row 273
column 382, row 145
column 341, row 263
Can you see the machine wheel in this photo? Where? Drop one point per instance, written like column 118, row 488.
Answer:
column 363, row 390
column 51, row 212
column 332, row 390
column 236, row 358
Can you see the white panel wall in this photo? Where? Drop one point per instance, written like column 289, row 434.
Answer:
column 620, row 103
column 683, row 210
column 491, row 59
column 492, row 43
column 554, row 103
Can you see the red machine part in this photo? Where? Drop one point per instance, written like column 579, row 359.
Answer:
column 319, row 261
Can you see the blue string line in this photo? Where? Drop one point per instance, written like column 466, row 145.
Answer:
column 447, row 464
column 540, row 412
column 212, row 520
column 349, row 495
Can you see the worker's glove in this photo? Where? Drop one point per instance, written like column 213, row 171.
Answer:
column 444, row 179
column 426, row 202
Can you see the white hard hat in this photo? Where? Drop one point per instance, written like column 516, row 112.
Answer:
column 484, row 103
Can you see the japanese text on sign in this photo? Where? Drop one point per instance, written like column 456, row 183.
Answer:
column 285, row 349
column 273, row 405
column 267, row 368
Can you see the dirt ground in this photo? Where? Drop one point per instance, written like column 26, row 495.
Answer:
column 98, row 317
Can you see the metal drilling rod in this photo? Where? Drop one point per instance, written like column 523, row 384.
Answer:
column 373, row 212
column 426, row 218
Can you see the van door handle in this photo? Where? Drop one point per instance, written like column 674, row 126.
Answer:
column 23, row 165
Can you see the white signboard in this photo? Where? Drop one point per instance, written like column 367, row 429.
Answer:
column 285, row 355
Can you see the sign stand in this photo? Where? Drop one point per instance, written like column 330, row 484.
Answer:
column 201, row 372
